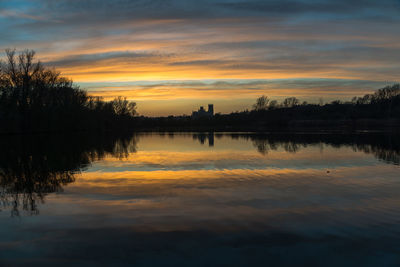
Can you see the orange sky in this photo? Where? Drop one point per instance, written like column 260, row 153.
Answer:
column 174, row 56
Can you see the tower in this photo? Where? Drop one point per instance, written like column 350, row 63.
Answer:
column 211, row 109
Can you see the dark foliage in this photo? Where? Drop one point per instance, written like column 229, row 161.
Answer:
column 371, row 111
column 35, row 98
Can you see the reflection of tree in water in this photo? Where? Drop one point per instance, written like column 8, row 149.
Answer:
column 262, row 146
column 31, row 167
column 385, row 147
column 265, row 145
column 382, row 153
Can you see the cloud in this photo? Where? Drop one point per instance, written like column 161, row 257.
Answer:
column 173, row 40
column 293, row 7
column 16, row 14
column 96, row 58
column 178, row 97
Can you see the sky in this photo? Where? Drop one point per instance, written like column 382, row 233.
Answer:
column 171, row 56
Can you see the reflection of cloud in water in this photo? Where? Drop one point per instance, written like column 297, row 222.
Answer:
column 231, row 159
column 36, row 166
column 32, row 167
column 149, row 200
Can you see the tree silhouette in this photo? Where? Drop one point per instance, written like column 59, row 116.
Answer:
column 261, row 103
column 123, row 107
column 273, row 104
column 36, row 98
column 290, row 102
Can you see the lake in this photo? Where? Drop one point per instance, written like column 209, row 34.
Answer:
column 201, row 199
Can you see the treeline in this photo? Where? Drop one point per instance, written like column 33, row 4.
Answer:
column 34, row 98
column 385, row 99
column 380, row 109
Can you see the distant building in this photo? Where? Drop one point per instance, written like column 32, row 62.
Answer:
column 203, row 113
column 211, row 109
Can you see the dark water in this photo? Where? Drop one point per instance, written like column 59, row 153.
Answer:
column 201, row 199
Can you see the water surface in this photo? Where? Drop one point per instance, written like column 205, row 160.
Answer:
column 225, row 199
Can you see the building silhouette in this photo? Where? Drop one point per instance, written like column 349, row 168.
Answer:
column 203, row 113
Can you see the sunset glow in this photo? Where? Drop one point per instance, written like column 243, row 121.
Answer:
column 172, row 56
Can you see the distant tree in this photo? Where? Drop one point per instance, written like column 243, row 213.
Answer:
column 387, row 92
column 290, row 102
column 366, row 99
column 123, row 107
column 261, row 103
column 273, row 104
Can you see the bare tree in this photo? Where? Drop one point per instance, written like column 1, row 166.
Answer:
column 123, row 107
column 261, row 103
column 34, row 97
column 290, row 102
column 273, row 104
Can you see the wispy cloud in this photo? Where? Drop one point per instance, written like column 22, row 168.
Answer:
column 181, row 97
column 16, row 14
column 346, row 46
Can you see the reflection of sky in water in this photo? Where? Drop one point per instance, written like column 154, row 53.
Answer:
column 175, row 198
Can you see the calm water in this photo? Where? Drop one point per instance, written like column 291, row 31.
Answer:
column 201, row 200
